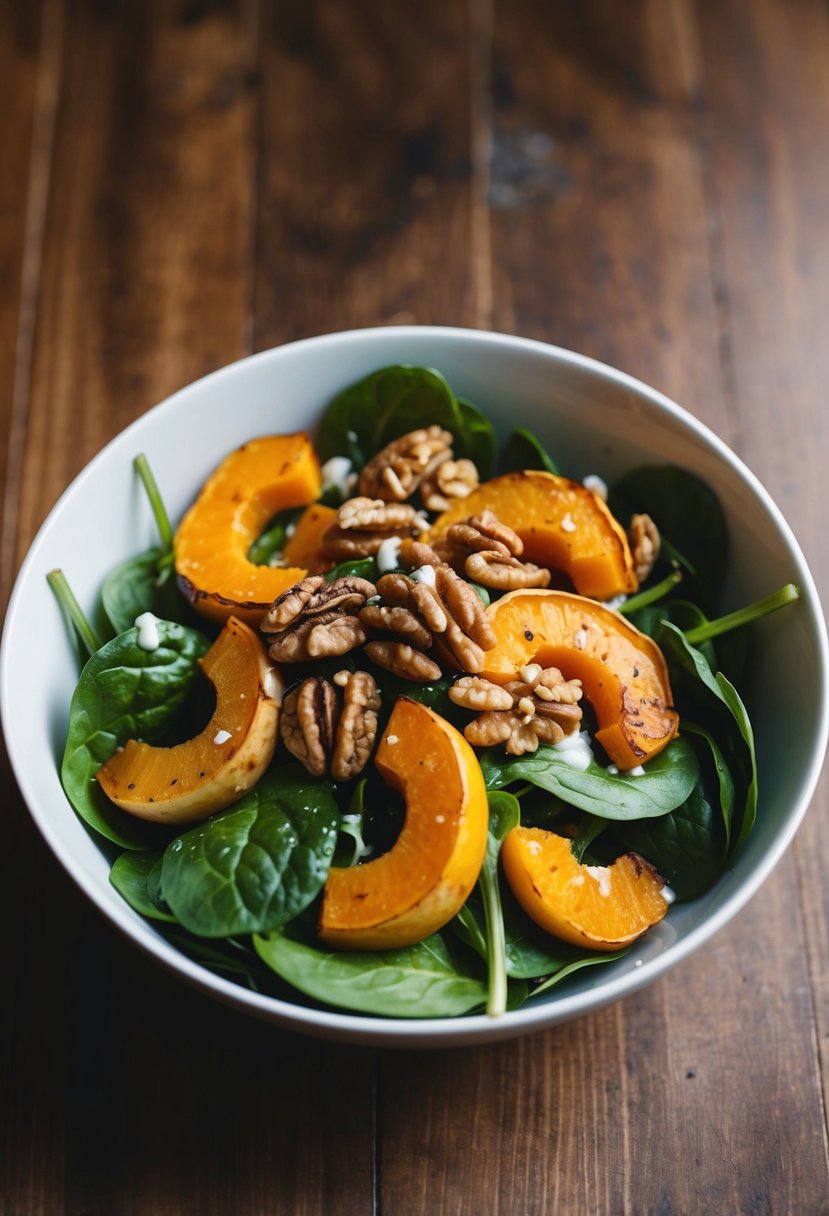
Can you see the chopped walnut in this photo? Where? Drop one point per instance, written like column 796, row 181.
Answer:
column 451, row 480
column 396, row 620
column 645, row 543
column 357, row 728
column 324, row 739
column 375, row 515
column 362, row 524
column 489, row 553
column 308, row 720
column 396, row 472
column 474, row 692
column 314, row 618
column 465, row 610
column 485, row 531
column 541, row 707
column 403, row 660
column 504, row 573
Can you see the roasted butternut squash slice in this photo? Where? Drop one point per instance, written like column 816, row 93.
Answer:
column 602, row 907
column 186, row 783
column 427, row 875
column 563, row 525
column 623, row 672
column 304, row 548
column 211, row 546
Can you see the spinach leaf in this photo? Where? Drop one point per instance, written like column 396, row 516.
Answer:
column 124, row 693
column 141, row 584
column 392, row 401
column 690, row 520
column 576, row 964
column 504, row 815
column 131, row 876
column 666, row 783
column 725, row 781
column 361, row 567
column 269, row 544
column 681, row 613
column 524, row 451
column 476, row 440
column 692, row 662
column 256, row 866
column 687, row 847
column 530, row 952
column 228, row 958
column 431, row 979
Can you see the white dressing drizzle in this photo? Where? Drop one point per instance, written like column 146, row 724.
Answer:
column 148, row 638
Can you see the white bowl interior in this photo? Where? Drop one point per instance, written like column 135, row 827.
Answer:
column 595, row 420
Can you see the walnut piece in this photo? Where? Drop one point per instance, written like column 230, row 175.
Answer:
column 386, row 618
column 541, row 707
column 357, row 727
column 473, row 692
column 452, row 479
column 645, row 543
column 403, row 660
column 486, row 532
column 396, row 472
column 504, row 573
column 308, row 719
column 315, row 618
column 362, row 524
column 325, row 739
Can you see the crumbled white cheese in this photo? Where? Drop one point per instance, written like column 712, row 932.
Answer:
column 148, row 637
column 388, row 555
column 534, row 847
column 392, row 739
column 337, row 474
column 221, row 736
column 597, row 484
column 668, row 894
column 615, row 603
column 602, row 876
column 425, row 574
column 568, row 524
column 575, row 750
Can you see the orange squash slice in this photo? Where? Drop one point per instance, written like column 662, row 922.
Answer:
column 304, row 548
column 186, row 783
column 427, row 875
column 602, row 907
column 211, row 546
column 623, row 672
column 563, row 525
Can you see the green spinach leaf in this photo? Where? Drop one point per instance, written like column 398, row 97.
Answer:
column 428, row 980
column 392, row 401
column 141, row 584
column 666, row 783
column 270, row 543
column 258, row 865
column 135, row 877
column 690, row 519
column 124, row 693
column 524, row 451
column 504, row 815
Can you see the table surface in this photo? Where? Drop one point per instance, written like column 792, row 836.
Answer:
column 185, row 182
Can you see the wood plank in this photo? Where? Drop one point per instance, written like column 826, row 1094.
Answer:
column 769, row 144
column 366, row 204
column 697, row 1093
column 127, row 1092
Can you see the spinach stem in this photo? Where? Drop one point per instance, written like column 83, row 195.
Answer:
column 752, row 612
column 162, row 520
column 496, row 942
column 63, row 594
column 657, row 592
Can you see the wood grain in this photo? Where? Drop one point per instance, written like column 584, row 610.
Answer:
column 186, row 180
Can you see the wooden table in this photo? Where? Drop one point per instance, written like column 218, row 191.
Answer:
column 183, row 182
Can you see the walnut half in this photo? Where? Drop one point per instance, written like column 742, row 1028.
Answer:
column 325, row 738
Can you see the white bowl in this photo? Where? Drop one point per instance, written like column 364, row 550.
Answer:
column 595, row 420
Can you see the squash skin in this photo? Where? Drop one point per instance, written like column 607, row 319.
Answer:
column 623, row 672
column 211, row 546
column 566, row 898
column 190, row 781
column 564, row 526
column 426, row 877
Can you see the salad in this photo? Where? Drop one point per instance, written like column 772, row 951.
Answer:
column 399, row 723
